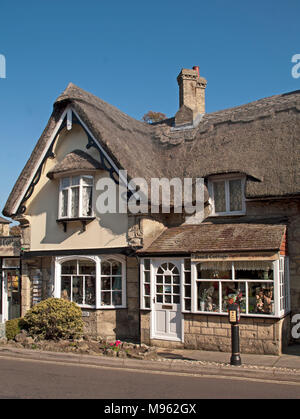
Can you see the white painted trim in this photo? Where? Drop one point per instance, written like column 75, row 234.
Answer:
column 154, row 264
column 226, row 179
column 123, row 179
column 25, row 188
column 97, row 259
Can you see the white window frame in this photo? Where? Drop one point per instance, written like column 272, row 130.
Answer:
column 226, row 179
column 97, row 260
column 69, row 204
column 276, row 284
column 278, row 313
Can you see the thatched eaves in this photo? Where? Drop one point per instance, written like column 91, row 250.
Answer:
column 260, row 139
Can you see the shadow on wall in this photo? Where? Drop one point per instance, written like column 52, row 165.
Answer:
column 46, row 203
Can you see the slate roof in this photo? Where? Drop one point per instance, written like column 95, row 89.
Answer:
column 207, row 238
column 260, row 139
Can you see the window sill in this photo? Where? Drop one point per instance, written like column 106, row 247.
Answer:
column 83, row 220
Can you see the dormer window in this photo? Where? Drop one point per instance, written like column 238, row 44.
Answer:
column 227, row 195
column 76, row 197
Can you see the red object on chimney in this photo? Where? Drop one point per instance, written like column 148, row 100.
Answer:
column 197, row 69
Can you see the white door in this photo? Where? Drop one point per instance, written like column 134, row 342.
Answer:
column 166, row 313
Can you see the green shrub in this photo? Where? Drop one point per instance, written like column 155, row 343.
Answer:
column 13, row 327
column 54, row 318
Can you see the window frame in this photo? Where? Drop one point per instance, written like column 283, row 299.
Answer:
column 80, row 197
column 278, row 313
column 226, row 179
column 97, row 260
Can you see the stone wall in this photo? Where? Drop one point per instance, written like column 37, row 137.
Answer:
column 213, row 333
column 257, row 335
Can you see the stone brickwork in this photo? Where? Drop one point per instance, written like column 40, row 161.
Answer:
column 121, row 323
column 257, row 335
column 213, row 333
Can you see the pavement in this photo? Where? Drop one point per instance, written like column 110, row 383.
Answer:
column 264, row 368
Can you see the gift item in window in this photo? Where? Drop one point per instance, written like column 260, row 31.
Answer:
column 64, row 295
column 264, row 300
column 209, row 299
column 202, row 297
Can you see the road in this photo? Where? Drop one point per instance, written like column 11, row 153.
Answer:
column 24, row 379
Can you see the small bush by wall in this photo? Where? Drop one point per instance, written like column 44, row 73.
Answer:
column 54, row 318
column 13, row 327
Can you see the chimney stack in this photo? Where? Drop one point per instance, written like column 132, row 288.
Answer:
column 191, row 96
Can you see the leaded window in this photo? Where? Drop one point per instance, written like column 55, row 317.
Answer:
column 227, row 196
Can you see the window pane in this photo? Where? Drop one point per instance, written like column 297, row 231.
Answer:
column 147, row 289
column 87, row 201
column 117, row 298
column 65, row 182
column 187, row 264
column 211, row 273
column 159, row 279
column 233, row 292
column 74, row 202
column 87, row 180
column 208, row 296
column 187, row 305
column 105, row 284
column 176, row 279
column 86, row 267
column 11, row 263
column 187, row 277
column 69, row 267
column 90, row 290
column 66, row 287
column 64, row 203
column 116, row 268
column 75, row 180
column 187, row 291
column 105, row 268
column 260, row 298
column 77, row 289
column 106, row 298
column 219, row 196
column 147, row 302
column 146, row 276
column 235, row 192
column 147, row 264
column 265, row 274
column 117, row 283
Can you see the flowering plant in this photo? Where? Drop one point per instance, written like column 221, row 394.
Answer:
column 115, row 345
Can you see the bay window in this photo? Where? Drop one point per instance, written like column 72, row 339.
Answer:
column 91, row 281
column 75, row 197
column 260, row 287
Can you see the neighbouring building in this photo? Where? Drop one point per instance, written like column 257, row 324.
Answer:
column 9, row 274
column 166, row 278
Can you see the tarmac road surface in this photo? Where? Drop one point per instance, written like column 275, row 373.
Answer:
column 38, row 379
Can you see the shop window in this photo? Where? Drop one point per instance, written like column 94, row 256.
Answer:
column 250, row 284
column 78, row 282
column 91, row 282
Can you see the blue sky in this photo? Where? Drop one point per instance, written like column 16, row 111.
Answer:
column 129, row 53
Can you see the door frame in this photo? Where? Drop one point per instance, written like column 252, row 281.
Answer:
column 179, row 262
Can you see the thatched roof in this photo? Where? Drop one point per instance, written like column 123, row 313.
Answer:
column 77, row 160
column 207, row 238
column 260, row 139
column 4, row 221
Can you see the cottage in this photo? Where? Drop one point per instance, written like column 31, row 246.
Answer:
column 166, row 278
